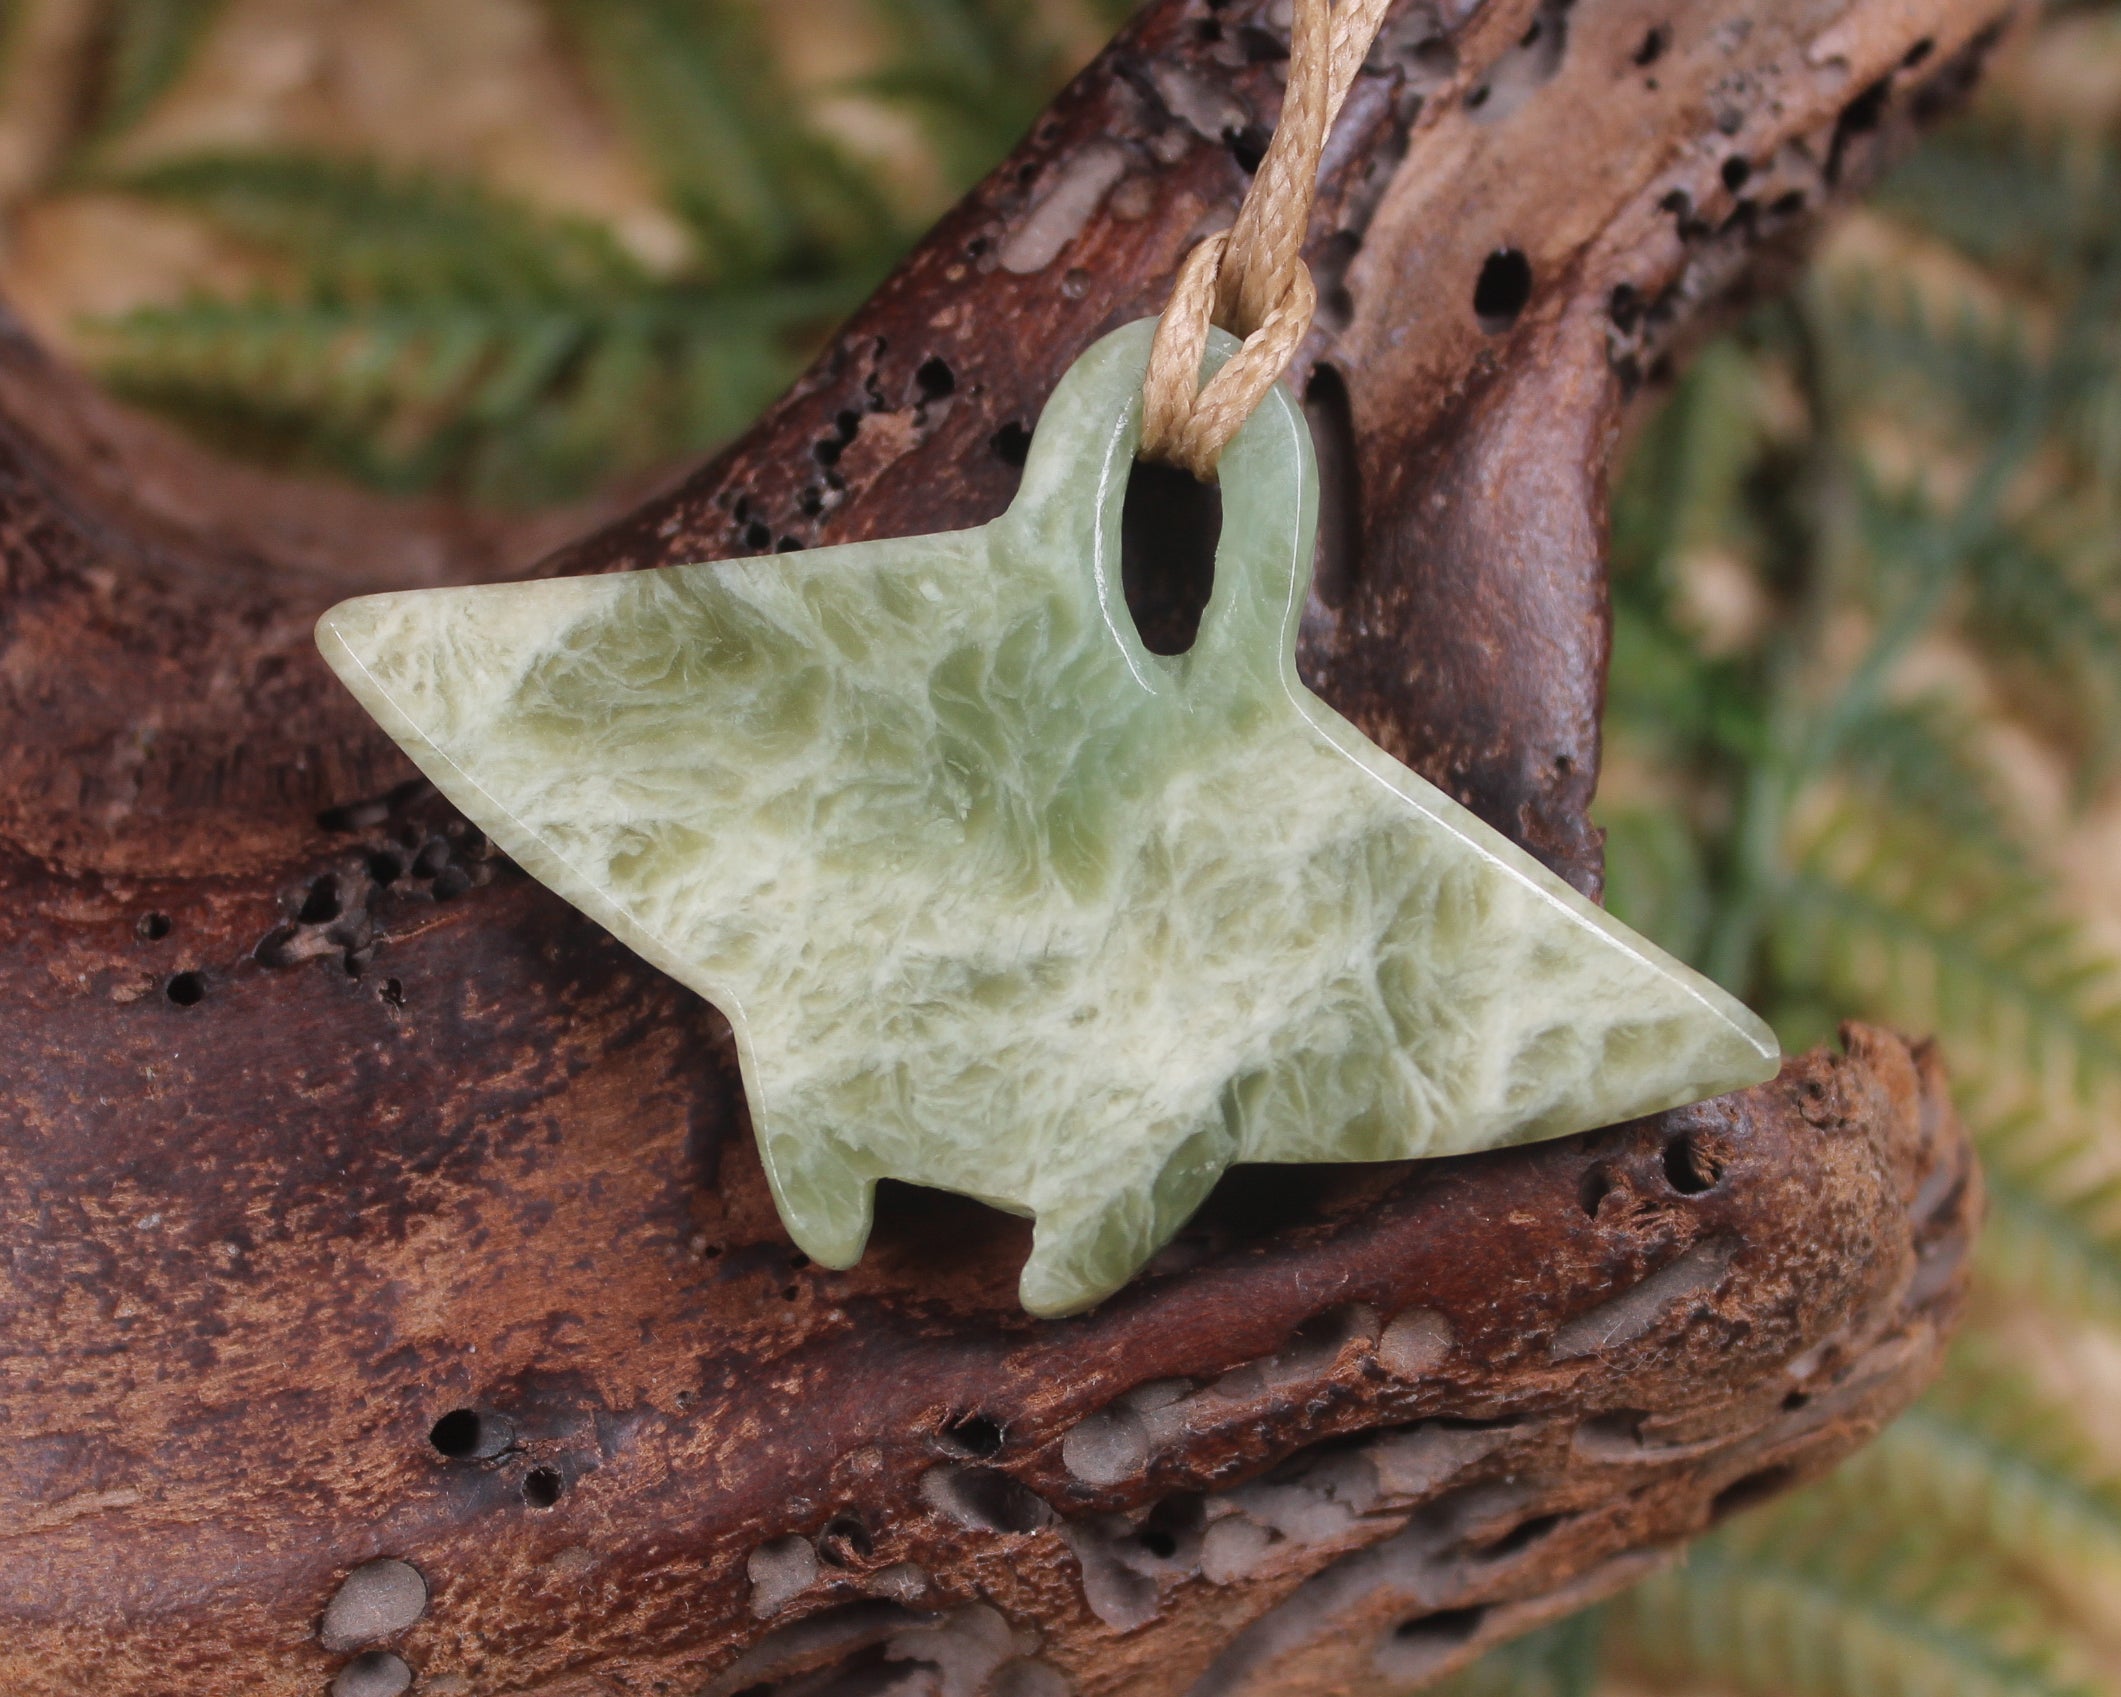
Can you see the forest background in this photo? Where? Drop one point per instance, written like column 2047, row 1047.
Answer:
column 1864, row 737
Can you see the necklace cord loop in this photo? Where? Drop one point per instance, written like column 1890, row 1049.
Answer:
column 1251, row 279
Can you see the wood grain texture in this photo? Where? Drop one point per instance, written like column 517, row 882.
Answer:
column 321, row 1122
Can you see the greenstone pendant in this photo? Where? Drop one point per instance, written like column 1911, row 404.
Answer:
column 1000, row 902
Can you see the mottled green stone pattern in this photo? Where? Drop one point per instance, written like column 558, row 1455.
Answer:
column 1000, row 902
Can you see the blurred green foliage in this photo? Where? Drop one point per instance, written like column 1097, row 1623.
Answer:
column 1911, row 470
column 438, row 334
column 136, row 48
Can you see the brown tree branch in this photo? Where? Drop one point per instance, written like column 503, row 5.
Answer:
column 321, row 1123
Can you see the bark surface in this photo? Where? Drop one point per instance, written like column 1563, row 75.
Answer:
column 360, row 1200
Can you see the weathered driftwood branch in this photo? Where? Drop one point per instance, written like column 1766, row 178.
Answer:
column 361, row 1201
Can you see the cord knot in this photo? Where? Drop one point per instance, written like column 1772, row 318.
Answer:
column 1251, row 279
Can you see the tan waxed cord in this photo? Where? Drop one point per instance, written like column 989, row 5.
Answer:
column 1251, row 279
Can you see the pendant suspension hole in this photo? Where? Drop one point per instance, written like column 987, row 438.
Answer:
column 1337, row 563
column 1169, row 529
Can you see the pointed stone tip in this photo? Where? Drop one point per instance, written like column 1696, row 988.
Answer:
column 1741, row 1049
column 359, row 613
column 340, row 628
column 1753, row 1051
column 356, row 638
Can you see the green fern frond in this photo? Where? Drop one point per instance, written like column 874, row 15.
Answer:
column 2025, row 200
column 137, row 49
column 1984, row 1457
column 1934, row 934
column 702, row 97
column 1901, row 357
column 975, row 72
column 1666, row 696
column 347, row 360
column 362, row 230
column 1656, row 877
column 2054, row 1222
column 369, row 389
column 1904, row 543
column 1685, row 708
column 1690, row 466
column 2049, row 619
column 1920, row 756
column 1796, row 1608
column 507, row 402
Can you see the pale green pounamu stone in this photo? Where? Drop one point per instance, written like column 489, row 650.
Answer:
column 1000, row 902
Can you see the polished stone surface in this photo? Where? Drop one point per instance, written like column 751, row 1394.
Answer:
column 1000, row 902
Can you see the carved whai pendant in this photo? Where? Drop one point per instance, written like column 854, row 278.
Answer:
column 1000, row 902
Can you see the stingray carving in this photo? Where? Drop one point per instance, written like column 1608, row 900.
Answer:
column 1000, row 902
